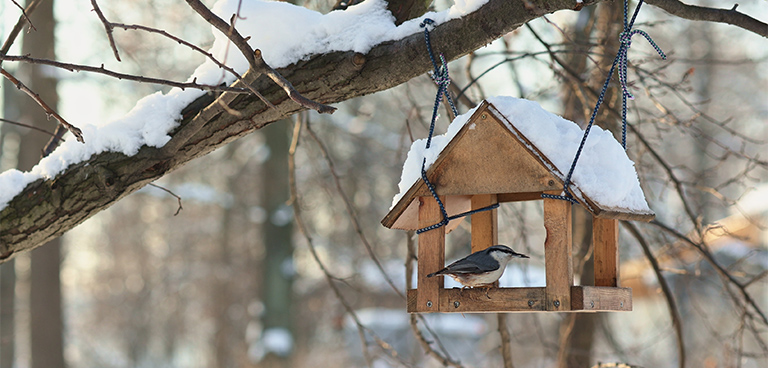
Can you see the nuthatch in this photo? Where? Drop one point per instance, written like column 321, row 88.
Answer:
column 482, row 268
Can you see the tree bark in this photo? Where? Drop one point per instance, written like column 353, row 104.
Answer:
column 47, row 208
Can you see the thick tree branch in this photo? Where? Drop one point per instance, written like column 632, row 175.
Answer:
column 47, row 208
column 729, row 16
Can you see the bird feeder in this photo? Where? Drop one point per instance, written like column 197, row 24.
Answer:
column 491, row 160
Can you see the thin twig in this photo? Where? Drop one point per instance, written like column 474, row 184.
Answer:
column 26, row 126
column 362, row 330
column 171, row 193
column 54, row 141
column 720, row 270
column 136, row 78
column 17, row 28
column 48, row 110
column 24, row 14
column 198, row 49
column 108, row 27
column 351, row 211
column 674, row 313
column 255, row 60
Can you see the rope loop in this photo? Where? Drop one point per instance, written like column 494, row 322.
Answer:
column 441, row 77
column 626, row 41
column 620, row 61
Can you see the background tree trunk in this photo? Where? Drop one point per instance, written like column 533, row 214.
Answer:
column 277, row 274
column 46, row 327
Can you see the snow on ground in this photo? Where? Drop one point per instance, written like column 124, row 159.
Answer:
column 604, row 172
column 283, row 32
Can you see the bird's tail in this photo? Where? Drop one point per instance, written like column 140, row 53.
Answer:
column 438, row 273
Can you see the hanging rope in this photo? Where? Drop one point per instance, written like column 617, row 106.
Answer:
column 621, row 61
column 443, row 80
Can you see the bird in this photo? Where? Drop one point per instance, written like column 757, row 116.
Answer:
column 481, row 268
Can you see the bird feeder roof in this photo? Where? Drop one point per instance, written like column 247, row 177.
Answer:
column 516, row 149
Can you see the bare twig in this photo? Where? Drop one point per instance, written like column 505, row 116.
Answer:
column 362, row 330
column 674, row 313
column 720, row 270
column 54, row 141
column 48, row 110
column 24, row 14
column 729, row 16
column 198, row 49
column 136, row 78
column 108, row 27
column 26, row 126
column 17, row 28
column 171, row 193
column 351, row 211
column 255, row 60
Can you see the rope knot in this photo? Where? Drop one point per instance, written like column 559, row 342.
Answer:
column 626, row 41
column 427, row 22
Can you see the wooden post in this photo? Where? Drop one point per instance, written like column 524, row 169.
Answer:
column 431, row 256
column 557, row 254
column 485, row 232
column 605, row 238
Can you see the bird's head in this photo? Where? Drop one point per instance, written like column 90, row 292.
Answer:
column 503, row 253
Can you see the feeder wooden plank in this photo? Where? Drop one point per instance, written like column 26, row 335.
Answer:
column 601, row 298
column 605, row 239
column 519, row 197
column 526, row 299
column 484, row 224
column 431, row 255
column 558, row 254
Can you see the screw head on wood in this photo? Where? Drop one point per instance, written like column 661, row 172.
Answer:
column 456, row 304
column 557, row 304
column 429, row 304
column 592, row 304
column 621, row 304
column 530, row 303
column 483, row 116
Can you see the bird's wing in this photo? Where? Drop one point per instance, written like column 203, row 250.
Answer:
column 470, row 264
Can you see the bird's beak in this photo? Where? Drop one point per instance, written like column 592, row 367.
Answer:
column 521, row 255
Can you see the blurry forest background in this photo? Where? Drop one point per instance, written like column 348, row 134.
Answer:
column 234, row 281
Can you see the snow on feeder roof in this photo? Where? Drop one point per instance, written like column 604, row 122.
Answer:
column 516, row 149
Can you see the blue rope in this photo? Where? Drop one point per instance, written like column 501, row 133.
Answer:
column 443, row 80
column 621, row 61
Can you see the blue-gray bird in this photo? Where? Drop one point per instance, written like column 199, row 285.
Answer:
column 482, row 268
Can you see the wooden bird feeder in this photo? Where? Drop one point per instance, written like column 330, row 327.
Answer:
column 490, row 161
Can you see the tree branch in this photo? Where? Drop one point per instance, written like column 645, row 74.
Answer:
column 47, row 208
column 729, row 16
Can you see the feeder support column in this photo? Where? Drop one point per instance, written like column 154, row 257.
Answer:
column 558, row 253
column 431, row 255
